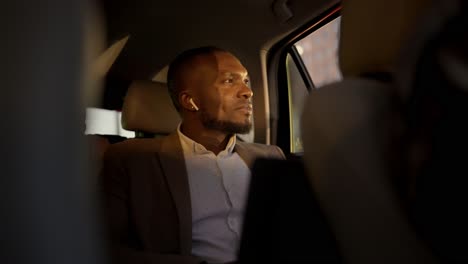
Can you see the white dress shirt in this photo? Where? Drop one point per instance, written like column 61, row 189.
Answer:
column 218, row 191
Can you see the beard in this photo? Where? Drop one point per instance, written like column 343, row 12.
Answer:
column 225, row 126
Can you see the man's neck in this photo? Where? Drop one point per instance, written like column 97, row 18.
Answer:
column 213, row 140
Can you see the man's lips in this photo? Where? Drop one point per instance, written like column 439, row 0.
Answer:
column 245, row 108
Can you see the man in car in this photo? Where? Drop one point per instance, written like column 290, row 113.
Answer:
column 181, row 198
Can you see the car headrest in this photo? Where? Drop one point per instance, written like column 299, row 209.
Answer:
column 372, row 33
column 148, row 108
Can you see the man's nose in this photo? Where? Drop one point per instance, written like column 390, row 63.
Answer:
column 245, row 92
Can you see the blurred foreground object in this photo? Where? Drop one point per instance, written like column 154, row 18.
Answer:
column 355, row 133
column 48, row 213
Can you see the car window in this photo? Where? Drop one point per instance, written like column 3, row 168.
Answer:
column 297, row 91
column 311, row 63
column 105, row 122
column 319, row 52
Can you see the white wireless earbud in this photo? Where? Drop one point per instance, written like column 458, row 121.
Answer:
column 193, row 104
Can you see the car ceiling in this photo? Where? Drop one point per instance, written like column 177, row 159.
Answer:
column 159, row 30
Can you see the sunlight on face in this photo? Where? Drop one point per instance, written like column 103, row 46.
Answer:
column 229, row 106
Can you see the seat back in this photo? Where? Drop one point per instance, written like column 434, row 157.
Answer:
column 435, row 86
column 352, row 134
column 283, row 220
column 372, row 33
column 148, row 110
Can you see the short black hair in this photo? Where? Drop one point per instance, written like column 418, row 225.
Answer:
column 176, row 66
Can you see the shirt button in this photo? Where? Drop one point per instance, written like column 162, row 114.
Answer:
column 231, row 222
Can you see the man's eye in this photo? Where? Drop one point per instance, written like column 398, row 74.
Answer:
column 247, row 81
column 228, row 81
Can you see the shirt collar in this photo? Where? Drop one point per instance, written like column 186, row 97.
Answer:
column 191, row 147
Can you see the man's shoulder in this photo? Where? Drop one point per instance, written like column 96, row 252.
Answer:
column 135, row 146
column 256, row 145
column 262, row 149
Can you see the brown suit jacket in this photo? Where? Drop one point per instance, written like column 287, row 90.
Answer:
column 146, row 198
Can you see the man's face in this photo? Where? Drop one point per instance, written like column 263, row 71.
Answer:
column 225, row 99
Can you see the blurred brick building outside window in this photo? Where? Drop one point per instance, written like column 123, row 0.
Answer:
column 319, row 51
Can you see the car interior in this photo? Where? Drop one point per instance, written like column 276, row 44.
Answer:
column 82, row 75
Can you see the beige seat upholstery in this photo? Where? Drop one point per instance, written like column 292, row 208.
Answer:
column 373, row 32
column 348, row 131
column 148, row 109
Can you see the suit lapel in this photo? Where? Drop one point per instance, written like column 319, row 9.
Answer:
column 173, row 164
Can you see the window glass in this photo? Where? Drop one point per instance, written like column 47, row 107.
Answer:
column 319, row 52
column 105, row 122
column 297, row 92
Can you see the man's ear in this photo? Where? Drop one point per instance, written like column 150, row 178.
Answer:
column 186, row 101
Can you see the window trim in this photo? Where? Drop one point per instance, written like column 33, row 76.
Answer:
column 294, row 53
